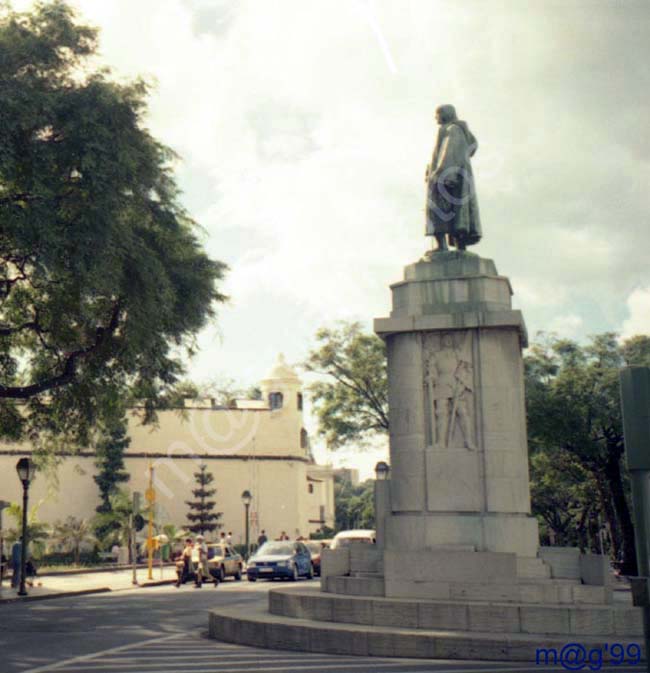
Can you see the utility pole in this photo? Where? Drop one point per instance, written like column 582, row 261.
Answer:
column 134, row 547
column 635, row 405
column 151, row 499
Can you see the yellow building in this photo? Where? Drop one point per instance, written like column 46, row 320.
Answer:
column 259, row 446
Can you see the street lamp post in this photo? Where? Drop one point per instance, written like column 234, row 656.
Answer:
column 382, row 501
column 25, row 469
column 246, row 498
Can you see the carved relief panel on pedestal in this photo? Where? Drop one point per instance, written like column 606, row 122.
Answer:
column 449, row 390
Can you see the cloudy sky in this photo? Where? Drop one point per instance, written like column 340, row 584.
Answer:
column 304, row 127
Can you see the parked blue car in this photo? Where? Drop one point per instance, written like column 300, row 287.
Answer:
column 287, row 560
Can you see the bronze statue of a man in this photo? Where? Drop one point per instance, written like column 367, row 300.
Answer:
column 452, row 207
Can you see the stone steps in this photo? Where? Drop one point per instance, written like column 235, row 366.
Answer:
column 523, row 590
column 505, row 618
column 245, row 625
column 530, row 567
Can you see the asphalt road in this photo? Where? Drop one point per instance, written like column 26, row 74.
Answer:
column 163, row 630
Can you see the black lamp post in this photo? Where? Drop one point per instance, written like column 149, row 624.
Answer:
column 25, row 469
column 246, row 498
column 381, row 470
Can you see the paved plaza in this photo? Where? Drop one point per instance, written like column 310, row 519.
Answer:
column 164, row 630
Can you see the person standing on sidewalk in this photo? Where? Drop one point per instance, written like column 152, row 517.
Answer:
column 200, row 560
column 16, row 551
column 183, row 563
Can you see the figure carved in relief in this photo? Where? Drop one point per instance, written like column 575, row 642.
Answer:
column 451, row 386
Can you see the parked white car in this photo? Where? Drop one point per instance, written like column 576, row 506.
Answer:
column 345, row 537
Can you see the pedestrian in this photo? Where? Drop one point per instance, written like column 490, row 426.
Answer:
column 222, row 538
column 229, row 537
column 115, row 552
column 200, row 561
column 284, row 536
column 16, row 552
column 262, row 538
column 30, row 571
column 183, row 563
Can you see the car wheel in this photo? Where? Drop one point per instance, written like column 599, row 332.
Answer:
column 294, row 575
column 252, row 579
column 222, row 574
column 238, row 574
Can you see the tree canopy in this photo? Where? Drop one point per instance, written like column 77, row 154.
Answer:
column 573, row 403
column 103, row 278
column 351, row 402
column 354, row 504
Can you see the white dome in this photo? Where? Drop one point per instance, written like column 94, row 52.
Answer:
column 282, row 371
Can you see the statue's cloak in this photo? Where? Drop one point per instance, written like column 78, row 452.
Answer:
column 452, row 206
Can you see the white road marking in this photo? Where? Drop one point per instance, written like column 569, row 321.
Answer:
column 258, row 667
column 94, row 655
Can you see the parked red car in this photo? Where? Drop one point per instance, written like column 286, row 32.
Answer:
column 315, row 547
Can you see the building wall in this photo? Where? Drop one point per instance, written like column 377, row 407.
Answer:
column 254, row 449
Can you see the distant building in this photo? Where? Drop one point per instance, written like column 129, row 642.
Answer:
column 255, row 445
column 348, row 474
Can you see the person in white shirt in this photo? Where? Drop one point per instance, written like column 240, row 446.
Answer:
column 200, row 560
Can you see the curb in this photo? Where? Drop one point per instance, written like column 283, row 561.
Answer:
column 84, row 592
column 157, row 583
column 63, row 594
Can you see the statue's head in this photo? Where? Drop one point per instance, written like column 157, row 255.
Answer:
column 447, row 341
column 445, row 114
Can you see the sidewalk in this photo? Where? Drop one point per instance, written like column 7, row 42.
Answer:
column 67, row 584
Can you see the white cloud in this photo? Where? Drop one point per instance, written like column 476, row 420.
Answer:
column 304, row 129
column 638, row 320
column 566, row 326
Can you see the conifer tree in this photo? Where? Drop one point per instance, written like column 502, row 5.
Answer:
column 111, row 473
column 201, row 516
column 110, row 463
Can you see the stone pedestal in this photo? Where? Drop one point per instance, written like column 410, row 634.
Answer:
column 456, row 571
column 459, row 460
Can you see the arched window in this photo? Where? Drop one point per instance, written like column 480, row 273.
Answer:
column 310, row 488
column 299, row 400
column 275, row 400
column 304, row 439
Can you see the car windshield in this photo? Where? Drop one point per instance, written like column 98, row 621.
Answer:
column 275, row 549
column 214, row 550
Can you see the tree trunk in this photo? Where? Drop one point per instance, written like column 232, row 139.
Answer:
column 605, row 497
column 615, row 480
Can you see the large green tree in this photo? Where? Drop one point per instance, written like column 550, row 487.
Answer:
column 573, row 402
column 351, row 399
column 103, row 278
